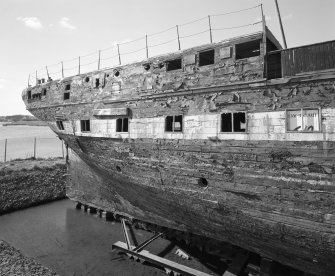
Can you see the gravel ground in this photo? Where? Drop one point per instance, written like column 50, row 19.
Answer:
column 12, row 262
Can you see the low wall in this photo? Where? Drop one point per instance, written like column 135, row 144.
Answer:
column 24, row 183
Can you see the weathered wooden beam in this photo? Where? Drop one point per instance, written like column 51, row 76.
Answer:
column 238, row 264
column 266, row 267
column 159, row 261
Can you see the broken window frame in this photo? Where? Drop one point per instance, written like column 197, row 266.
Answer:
column 237, row 51
column 173, row 130
column 60, row 125
column 85, row 125
column 124, row 126
column 232, row 122
column 319, row 122
column 203, row 53
column 173, row 60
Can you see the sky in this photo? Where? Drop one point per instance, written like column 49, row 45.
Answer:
column 39, row 33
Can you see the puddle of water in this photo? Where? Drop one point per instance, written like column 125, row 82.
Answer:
column 70, row 242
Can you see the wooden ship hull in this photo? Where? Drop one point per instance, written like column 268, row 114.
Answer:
column 213, row 147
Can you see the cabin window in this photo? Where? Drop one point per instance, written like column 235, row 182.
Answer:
column 122, row 125
column 174, row 123
column 68, row 87
column 248, row 49
column 303, row 120
column 29, row 95
column 97, row 82
column 66, row 95
column 206, row 57
column 37, row 96
column 85, row 125
column 233, row 122
column 44, row 92
column 174, row 64
column 60, row 125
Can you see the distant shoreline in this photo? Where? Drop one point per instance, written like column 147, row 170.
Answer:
column 24, row 123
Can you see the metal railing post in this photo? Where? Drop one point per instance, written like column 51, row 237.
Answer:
column 46, row 67
column 178, row 37
column 118, row 51
column 146, row 45
column 62, row 69
column 210, row 28
column 98, row 62
column 79, row 66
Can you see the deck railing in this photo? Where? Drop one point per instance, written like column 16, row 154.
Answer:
column 211, row 28
column 298, row 60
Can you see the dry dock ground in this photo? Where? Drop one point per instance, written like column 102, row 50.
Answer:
column 71, row 242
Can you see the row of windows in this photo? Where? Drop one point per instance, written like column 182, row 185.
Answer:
column 230, row 122
column 205, row 58
column 298, row 120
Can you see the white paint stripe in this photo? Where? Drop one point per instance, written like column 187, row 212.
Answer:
column 260, row 126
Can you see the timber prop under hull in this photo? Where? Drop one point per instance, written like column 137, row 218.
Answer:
column 139, row 181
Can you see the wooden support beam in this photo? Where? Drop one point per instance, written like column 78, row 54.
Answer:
column 144, row 244
column 125, row 232
column 238, row 264
column 147, row 256
column 266, row 267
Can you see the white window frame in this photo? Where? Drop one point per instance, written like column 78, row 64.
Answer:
column 301, row 110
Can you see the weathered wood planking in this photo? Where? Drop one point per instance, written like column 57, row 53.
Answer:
column 240, row 216
column 308, row 58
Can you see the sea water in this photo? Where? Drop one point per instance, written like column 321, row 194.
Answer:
column 21, row 142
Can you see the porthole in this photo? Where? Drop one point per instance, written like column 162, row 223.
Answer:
column 87, row 79
column 202, row 182
column 146, row 67
column 118, row 168
column 116, row 73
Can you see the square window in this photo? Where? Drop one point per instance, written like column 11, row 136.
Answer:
column 173, row 64
column 85, row 125
column 303, row 120
column 68, row 87
column 122, row 125
column 248, row 49
column 206, row 57
column 174, row 123
column 66, row 95
column 233, row 122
